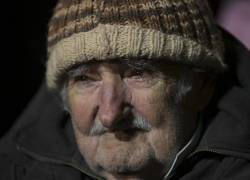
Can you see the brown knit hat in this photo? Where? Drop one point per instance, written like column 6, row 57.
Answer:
column 83, row 30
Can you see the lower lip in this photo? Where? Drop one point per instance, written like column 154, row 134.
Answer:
column 126, row 135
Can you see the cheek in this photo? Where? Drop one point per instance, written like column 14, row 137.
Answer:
column 164, row 143
column 151, row 102
column 81, row 110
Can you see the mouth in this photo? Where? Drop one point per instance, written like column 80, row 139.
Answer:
column 126, row 134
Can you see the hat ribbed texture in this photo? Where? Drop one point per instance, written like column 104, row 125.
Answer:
column 83, row 30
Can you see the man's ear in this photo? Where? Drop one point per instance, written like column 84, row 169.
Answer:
column 205, row 92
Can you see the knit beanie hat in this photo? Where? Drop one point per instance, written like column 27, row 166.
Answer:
column 177, row 30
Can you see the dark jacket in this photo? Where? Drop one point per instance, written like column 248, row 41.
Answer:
column 40, row 146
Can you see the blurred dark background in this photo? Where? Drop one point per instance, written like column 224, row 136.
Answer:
column 23, row 37
column 24, row 26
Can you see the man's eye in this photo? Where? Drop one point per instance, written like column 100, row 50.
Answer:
column 141, row 78
column 85, row 79
column 137, row 74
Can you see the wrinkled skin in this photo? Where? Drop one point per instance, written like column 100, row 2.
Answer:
column 108, row 92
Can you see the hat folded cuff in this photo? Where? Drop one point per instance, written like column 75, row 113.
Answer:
column 106, row 42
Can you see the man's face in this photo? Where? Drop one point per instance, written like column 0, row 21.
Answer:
column 127, row 119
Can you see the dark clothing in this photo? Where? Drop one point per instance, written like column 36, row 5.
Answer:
column 41, row 146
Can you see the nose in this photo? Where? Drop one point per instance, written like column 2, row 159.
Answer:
column 111, row 103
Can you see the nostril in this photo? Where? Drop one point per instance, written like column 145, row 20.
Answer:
column 113, row 116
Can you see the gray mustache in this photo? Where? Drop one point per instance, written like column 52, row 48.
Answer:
column 138, row 122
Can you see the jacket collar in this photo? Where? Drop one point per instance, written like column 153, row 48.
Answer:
column 227, row 118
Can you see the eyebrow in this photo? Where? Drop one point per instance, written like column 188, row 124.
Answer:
column 77, row 70
column 151, row 65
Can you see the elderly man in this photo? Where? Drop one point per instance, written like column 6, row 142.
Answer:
column 135, row 79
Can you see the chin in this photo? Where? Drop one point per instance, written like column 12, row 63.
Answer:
column 131, row 163
column 113, row 155
column 137, row 156
column 121, row 163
